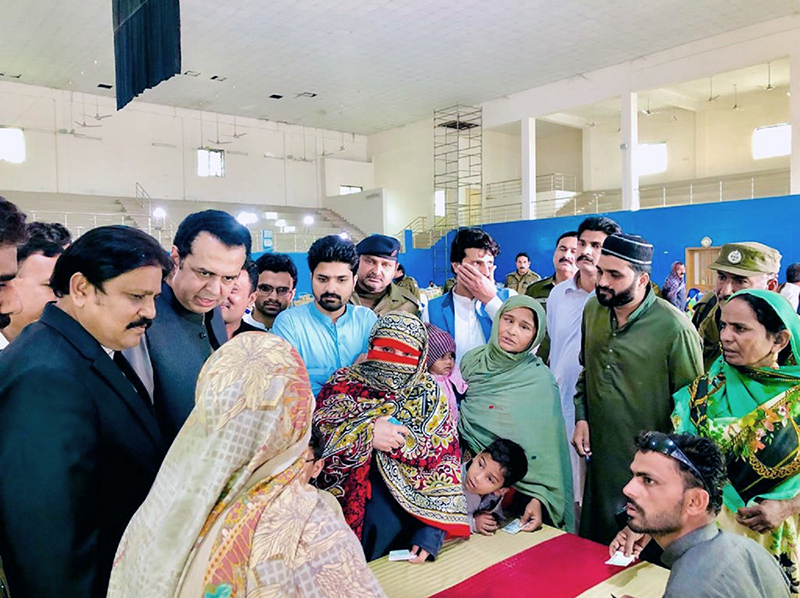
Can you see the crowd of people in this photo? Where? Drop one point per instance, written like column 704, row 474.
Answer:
column 174, row 425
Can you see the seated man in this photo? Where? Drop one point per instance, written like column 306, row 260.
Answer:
column 674, row 496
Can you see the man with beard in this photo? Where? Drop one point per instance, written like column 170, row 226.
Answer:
column 277, row 282
column 329, row 333
column 674, row 496
column 564, row 313
column 80, row 445
column 636, row 352
column 738, row 266
column 377, row 266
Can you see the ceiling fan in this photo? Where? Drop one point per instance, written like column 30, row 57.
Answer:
column 97, row 116
column 647, row 111
column 736, row 105
column 769, row 86
column 235, row 134
column 217, row 141
column 83, row 123
column 341, row 149
column 711, row 96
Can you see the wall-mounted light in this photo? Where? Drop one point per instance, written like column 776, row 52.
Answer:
column 246, row 218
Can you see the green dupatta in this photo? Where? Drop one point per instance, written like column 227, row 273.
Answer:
column 514, row 396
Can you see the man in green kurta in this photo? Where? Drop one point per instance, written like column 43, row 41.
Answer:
column 739, row 266
column 636, row 351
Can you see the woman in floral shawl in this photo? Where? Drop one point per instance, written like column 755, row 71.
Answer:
column 392, row 456
column 749, row 404
column 229, row 515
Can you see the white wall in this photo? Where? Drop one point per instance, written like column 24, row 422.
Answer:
column 156, row 146
column 347, row 172
column 561, row 153
column 367, row 210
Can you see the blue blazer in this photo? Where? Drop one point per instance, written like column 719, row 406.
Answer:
column 441, row 313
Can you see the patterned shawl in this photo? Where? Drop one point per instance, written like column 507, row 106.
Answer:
column 423, row 476
column 228, row 514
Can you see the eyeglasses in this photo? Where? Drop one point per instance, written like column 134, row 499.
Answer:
column 268, row 290
column 662, row 443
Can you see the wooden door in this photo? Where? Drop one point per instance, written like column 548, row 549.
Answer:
column 698, row 275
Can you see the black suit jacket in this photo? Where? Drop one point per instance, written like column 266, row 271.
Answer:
column 79, row 450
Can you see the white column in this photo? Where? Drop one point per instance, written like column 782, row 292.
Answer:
column 528, row 140
column 630, row 139
column 794, row 118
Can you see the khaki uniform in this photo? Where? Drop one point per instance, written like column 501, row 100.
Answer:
column 708, row 328
column 540, row 290
column 396, row 298
column 521, row 283
column 409, row 284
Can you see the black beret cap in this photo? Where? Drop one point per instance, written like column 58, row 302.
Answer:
column 380, row 246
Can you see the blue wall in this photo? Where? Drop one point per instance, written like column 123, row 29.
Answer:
column 774, row 221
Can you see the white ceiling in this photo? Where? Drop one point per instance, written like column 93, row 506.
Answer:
column 374, row 64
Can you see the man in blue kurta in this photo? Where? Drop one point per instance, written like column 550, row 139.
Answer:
column 328, row 333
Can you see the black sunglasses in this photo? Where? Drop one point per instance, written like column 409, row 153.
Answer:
column 661, row 443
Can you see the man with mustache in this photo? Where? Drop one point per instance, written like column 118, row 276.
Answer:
column 523, row 277
column 674, row 497
column 564, row 313
column 563, row 264
column 80, row 445
column 637, row 350
column 208, row 253
column 277, row 282
column 377, row 266
column 329, row 333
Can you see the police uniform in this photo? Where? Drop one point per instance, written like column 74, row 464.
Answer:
column 521, row 283
column 394, row 297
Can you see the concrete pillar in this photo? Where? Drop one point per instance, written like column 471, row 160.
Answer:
column 630, row 139
column 528, row 140
column 794, row 118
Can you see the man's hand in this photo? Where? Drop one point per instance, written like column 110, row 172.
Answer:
column 764, row 516
column 481, row 287
column 628, row 542
column 531, row 519
column 580, row 439
column 485, row 523
column 422, row 555
column 387, row 436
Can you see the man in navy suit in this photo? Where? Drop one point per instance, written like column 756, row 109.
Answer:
column 80, row 445
column 466, row 311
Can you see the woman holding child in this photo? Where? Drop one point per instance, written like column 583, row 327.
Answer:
column 392, row 457
column 511, row 394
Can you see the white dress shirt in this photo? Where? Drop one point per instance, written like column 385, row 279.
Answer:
column 792, row 292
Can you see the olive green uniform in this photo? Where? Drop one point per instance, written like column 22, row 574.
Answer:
column 396, row 298
column 540, row 290
column 521, row 283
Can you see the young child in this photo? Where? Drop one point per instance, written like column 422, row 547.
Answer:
column 487, row 478
column 442, row 366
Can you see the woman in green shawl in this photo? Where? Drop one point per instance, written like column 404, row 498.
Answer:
column 513, row 395
column 750, row 406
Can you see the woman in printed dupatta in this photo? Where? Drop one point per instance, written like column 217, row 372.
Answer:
column 229, row 515
column 512, row 394
column 399, row 482
column 749, row 404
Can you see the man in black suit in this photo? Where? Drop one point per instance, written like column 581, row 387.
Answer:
column 208, row 253
column 80, row 445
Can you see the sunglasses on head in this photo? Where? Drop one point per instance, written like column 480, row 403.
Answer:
column 659, row 442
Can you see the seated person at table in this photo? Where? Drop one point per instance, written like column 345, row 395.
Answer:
column 674, row 496
column 487, row 478
column 512, row 394
column 399, row 484
column 443, row 367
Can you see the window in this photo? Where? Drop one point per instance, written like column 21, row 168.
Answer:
column 210, row 162
column 12, row 145
column 772, row 141
column 439, row 208
column 348, row 189
column 652, row 158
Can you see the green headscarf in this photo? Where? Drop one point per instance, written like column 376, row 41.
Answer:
column 514, row 396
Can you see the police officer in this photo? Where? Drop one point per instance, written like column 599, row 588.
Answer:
column 377, row 266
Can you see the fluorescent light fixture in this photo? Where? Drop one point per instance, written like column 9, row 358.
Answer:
column 270, row 215
column 308, row 220
column 246, row 218
column 289, row 229
column 281, row 223
column 344, row 235
column 159, row 213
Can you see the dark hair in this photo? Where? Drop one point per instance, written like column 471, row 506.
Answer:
column 36, row 245
column 511, row 457
column 55, row 232
column 569, row 233
column 220, row 224
column 522, row 254
column 641, row 268
column 400, row 268
column 252, row 273
column 765, row 315
column 317, row 442
column 471, row 238
column 277, row 262
column 332, row 249
column 705, row 456
column 793, row 273
column 106, row 252
column 12, row 224
column 599, row 224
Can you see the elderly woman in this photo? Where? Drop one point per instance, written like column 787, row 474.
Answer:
column 749, row 404
column 392, row 456
column 229, row 514
column 513, row 395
